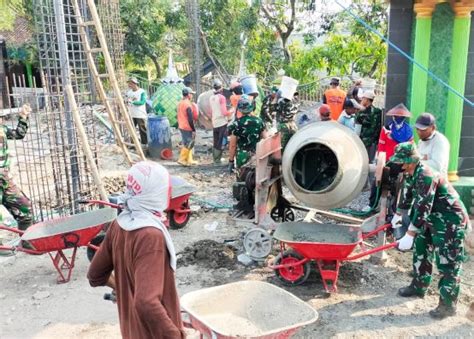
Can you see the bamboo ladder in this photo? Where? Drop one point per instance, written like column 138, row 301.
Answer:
column 89, row 51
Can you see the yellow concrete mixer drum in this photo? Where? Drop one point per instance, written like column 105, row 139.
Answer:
column 325, row 165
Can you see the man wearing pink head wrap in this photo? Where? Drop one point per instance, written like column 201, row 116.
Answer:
column 139, row 250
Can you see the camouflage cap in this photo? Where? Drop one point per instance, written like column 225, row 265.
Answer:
column 405, row 153
column 245, row 104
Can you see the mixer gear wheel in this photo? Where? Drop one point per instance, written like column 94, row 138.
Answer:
column 257, row 243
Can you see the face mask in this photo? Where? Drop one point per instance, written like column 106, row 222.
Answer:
column 399, row 120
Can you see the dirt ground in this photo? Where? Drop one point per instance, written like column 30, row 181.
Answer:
column 366, row 305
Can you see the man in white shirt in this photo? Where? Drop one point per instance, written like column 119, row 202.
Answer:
column 433, row 146
column 433, row 149
column 220, row 118
column 136, row 99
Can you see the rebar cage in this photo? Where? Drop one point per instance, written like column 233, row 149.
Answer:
column 49, row 164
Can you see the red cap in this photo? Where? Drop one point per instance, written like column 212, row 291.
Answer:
column 324, row 109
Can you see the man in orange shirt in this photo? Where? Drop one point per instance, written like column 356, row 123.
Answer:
column 187, row 114
column 334, row 98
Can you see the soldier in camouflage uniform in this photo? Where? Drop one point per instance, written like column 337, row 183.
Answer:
column 285, row 116
column 438, row 225
column 245, row 134
column 370, row 122
column 12, row 197
column 269, row 106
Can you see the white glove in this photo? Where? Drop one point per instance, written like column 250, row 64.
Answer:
column 397, row 221
column 406, row 243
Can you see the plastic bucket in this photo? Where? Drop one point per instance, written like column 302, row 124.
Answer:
column 159, row 135
column 249, row 84
column 288, row 87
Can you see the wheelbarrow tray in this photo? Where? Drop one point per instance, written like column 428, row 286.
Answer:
column 319, row 241
column 180, row 187
column 251, row 309
column 67, row 232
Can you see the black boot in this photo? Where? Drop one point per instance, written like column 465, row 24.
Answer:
column 410, row 291
column 443, row 311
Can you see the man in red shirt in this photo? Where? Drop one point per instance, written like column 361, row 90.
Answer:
column 220, row 118
column 334, row 98
column 140, row 252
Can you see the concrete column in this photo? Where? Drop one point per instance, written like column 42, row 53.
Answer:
column 457, row 80
column 421, row 53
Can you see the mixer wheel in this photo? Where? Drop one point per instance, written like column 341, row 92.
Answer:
column 294, row 275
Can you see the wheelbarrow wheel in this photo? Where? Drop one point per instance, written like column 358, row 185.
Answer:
column 295, row 275
column 96, row 241
column 178, row 220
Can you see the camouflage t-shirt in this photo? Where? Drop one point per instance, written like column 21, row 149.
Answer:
column 371, row 121
column 247, row 130
column 10, row 133
column 286, row 111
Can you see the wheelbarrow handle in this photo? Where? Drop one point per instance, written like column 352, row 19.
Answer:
column 99, row 202
column 372, row 251
column 377, row 230
column 10, row 229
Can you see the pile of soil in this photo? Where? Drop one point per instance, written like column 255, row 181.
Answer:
column 209, row 254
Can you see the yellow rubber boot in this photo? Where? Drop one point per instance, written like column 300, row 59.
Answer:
column 191, row 161
column 183, row 156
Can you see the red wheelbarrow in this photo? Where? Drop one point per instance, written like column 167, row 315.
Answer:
column 325, row 244
column 246, row 309
column 56, row 235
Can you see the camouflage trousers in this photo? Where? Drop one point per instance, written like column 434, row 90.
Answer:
column 442, row 242
column 15, row 201
column 287, row 130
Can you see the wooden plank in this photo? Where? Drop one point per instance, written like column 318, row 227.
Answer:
column 332, row 215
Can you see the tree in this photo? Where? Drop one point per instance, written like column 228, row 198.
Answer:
column 276, row 13
column 222, row 22
column 148, row 24
column 350, row 47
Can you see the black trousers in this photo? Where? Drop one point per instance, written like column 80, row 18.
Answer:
column 219, row 134
column 141, row 124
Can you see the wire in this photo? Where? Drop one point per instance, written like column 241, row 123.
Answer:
column 210, row 203
column 398, row 49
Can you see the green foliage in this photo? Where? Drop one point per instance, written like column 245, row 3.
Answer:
column 8, row 12
column 223, row 21
column 348, row 47
column 151, row 28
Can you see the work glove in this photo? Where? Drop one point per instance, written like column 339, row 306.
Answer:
column 397, row 221
column 406, row 243
column 25, row 111
column 231, row 167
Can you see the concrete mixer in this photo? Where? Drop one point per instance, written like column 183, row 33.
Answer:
column 325, row 166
